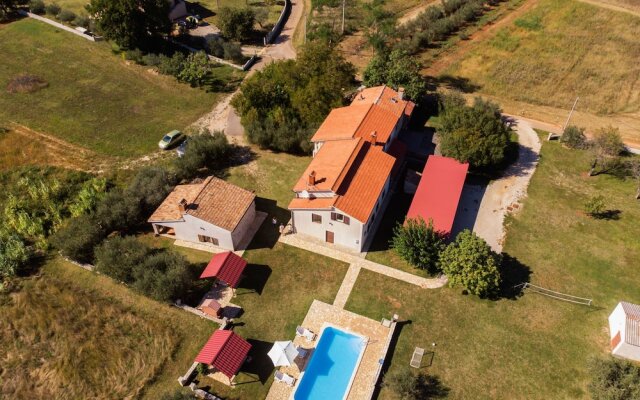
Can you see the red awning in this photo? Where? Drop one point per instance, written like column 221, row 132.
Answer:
column 227, row 267
column 225, row 351
column 439, row 192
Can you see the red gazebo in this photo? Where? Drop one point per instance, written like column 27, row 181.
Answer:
column 226, row 352
column 226, row 267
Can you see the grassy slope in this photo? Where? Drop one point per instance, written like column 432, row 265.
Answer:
column 94, row 99
column 532, row 347
column 76, row 334
column 566, row 54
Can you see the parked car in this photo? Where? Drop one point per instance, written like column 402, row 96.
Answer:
column 170, row 139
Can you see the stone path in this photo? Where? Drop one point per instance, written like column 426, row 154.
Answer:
column 347, row 284
column 356, row 264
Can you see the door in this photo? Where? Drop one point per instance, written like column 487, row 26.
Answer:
column 329, row 237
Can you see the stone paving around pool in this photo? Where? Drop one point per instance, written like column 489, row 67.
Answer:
column 322, row 313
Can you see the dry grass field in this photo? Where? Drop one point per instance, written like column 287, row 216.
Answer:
column 557, row 51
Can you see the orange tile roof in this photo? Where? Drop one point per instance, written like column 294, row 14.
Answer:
column 386, row 98
column 316, row 203
column 359, row 194
column 341, row 123
column 329, row 165
column 378, row 120
column 214, row 201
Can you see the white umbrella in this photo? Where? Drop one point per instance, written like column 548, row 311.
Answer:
column 283, row 353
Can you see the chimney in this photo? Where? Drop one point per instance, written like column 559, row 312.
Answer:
column 373, row 138
column 401, row 93
column 182, row 206
column 312, row 178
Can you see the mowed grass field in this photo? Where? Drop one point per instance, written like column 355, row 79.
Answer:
column 68, row 333
column 560, row 50
column 530, row 347
column 94, row 98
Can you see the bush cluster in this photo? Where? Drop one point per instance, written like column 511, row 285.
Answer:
column 236, row 23
column 193, row 68
column 64, row 15
column 218, row 47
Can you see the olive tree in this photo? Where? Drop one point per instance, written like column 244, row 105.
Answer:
column 418, row 243
column 613, row 379
column 606, row 146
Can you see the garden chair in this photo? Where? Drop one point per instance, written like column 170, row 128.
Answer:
column 416, row 358
column 284, row 378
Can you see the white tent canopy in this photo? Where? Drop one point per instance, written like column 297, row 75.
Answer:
column 283, row 353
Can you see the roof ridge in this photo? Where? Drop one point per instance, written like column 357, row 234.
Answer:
column 204, row 184
column 380, row 95
column 347, row 166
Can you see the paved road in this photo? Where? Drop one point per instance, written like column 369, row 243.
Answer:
column 484, row 208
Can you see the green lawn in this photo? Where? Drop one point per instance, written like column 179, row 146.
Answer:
column 532, row 347
column 68, row 333
column 94, row 98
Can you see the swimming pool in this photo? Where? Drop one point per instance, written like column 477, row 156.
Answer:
column 332, row 366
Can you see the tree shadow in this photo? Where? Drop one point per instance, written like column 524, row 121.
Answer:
column 199, row 9
column 459, row 83
column 256, row 277
column 394, row 214
column 269, row 233
column 260, row 365
column 609, row 215
column 430, row 387
column 392, row 349
column 513, row 273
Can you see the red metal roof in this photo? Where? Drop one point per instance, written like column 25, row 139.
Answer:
column 439, row 192
column 225, row 351
column 227, row 267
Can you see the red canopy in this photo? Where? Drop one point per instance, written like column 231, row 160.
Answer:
column 438, row 192
column 227, row 267
column 225, row 351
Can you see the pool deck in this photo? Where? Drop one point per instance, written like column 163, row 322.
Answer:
column 321, row 314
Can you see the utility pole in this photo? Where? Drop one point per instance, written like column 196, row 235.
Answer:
column 570, row 113
column 343, row 3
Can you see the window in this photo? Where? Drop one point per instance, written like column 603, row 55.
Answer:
column 340, row 218
column 208, row 239
column 316, row 218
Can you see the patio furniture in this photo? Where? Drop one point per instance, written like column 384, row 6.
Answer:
column 386, row 323
column 302, row 353
column 306, row 333
column 416, row 358
column 284, row 378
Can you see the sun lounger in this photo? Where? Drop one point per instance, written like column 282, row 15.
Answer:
column 284, row 378
column 306, row 333
column 302, row 353
column 416, row 359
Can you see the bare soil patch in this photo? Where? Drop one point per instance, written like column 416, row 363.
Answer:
column 26, row 83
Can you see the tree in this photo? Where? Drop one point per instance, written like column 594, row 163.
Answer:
column 7, row 6
column 90, row 194
column 573, row 137
column 14, row 254
column 195, row 69
column 396, row 69
column 236, row 23
column 208, row 151
column 418, row 243
column 131, row 23
column 470, row 263
column 164, row 276
column 613, row 379
column 261, row 15
column 150, row 187
column 475, row 134
column 595, row 206
column 409, row 386
column 119, row 256
column 78, row 238
column 606, row 146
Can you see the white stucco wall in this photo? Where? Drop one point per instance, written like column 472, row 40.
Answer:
column 617, row 323
column 344, row 235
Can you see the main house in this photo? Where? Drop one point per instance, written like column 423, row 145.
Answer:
column 212, row 212
column 342, row 193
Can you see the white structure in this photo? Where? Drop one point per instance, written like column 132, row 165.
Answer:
column 624, row 328
column 341, row 195
column 211, row 212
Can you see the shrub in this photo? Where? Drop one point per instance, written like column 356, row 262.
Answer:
column 573, row 137
column 595, row 206
column 14, row 254
column 204, row 151
column 470, row 263
column 53, row 9
column 171, row 65
column 66, row 16
column 614, row 379
column 149, row 188
column 419, row 244
column 78, row 238
column 151, row 59
column 215, row 46
column 37, row 6
column 164, row 276
column 87, row 199
column 608, row 142
column 83, row 21
column 119, row 256
column 119, row 211
column 236, row 23
column 195, row 69
column 134, row 55
column 233, row 51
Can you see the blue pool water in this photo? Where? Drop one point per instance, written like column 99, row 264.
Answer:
column 328, row 373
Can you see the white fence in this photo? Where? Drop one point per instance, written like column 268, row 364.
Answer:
column 556, row 295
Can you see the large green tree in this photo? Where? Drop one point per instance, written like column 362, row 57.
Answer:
column 130, row 23
column 13, row 255
column 475, row 134
column 418, row 243
column 613, row 379
column 606, row 146
column 282, row 104
column 236, row 23
column 469, row 262
column 396, row 69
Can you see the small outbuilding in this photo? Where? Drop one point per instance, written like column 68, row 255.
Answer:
column 624, row 329
column 226, row 267
column 225, row 352
column 212, row 213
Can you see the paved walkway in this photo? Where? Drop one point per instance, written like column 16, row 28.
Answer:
column 331, row 251
column 347, row 285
